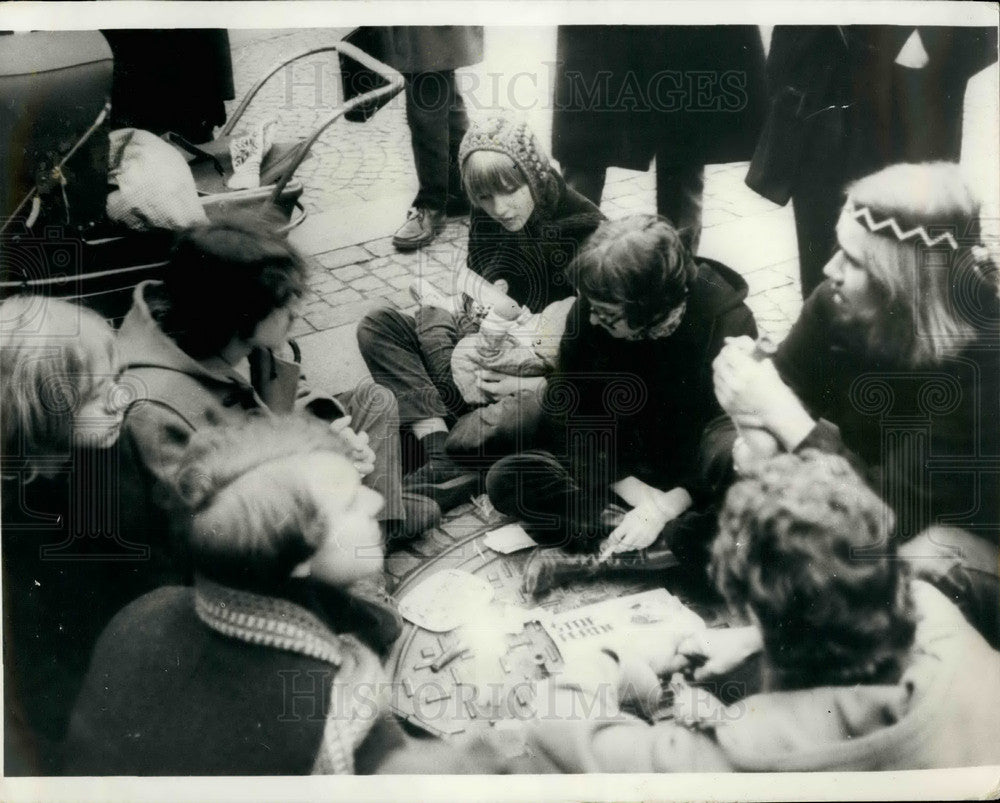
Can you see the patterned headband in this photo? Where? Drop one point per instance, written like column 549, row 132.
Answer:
column 864, row 216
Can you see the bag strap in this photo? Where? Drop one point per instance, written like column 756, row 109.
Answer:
column 172, row 389
column 199, row 154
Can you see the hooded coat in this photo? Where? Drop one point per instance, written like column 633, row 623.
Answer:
column 532, row 261
column 648, row 400
column 177, row 394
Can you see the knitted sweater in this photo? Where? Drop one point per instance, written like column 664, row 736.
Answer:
column 215, row 681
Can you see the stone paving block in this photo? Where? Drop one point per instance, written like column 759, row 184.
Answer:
column 765, row 279
column 366, row 284
column 402, row 300
column 713, row 217
column 323, row 283
column 382, row 247
column 401, row 282
column 633, row 203
column 389, row 270
column 313, row 307
column 445, row 283
column 350, row 255
column 384, row 290
column 301, row 327
column 348, row 273
column 349, row 313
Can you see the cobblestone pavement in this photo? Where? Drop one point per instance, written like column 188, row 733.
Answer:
column 355, row 170
column 360, row 179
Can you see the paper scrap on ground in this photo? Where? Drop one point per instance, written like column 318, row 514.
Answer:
column 446, row 600
column 509, row 538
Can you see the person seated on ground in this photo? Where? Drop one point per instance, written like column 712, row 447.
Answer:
column 894, row 363
column 266, row 666
column 78, row 544
column 209, row 345
column 526, row 227
column 862, row 667
column 625, row 410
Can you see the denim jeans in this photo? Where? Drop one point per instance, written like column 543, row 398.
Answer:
column 411, row 355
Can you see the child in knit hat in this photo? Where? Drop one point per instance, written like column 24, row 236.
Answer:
column 526, row 227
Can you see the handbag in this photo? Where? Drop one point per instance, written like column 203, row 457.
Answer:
column 358, row 79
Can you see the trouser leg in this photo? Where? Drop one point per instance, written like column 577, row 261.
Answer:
column 537, row 489
column 373, row 410
column 588, row 181
column 679, row 190
column 458, row 124
column 392, row 351
column 430, row 114
column 437, row 332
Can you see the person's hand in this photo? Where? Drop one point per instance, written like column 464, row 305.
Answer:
column 656, row 645
column 356, row 445
column 642, row 525
column 719, row 650
column 495, row 385
column 751, row 448
column 695, row 707
column 639, row 528
column 750, row 391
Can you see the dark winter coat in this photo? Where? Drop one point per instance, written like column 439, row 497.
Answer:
column 532, row 261
column 431, row 48
column 836, row 95
column 77, row 547
column 617, row 408
column 689, row 94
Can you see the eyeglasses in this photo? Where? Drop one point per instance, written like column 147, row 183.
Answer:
column 608, row 317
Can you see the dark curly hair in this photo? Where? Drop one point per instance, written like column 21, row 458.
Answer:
column 639, row 262
column 223, row 279
column 804, row 545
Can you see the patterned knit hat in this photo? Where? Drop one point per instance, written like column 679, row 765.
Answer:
column 516, row 141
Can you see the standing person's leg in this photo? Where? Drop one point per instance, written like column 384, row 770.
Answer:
column 428, row 101
column 816, row 208
column 586, row 180
column 458, row 124
column 537, row 489
column 679, row 190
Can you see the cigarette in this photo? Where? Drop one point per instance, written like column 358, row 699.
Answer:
column 448, row 657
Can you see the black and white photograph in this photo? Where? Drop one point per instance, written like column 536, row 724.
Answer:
column 601, row 396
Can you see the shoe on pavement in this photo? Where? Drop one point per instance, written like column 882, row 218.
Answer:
column 420, row 228
column 421, row 512
column 445, row 482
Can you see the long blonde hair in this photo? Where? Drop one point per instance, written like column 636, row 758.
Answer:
column 50, row 361
column 929, row 293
